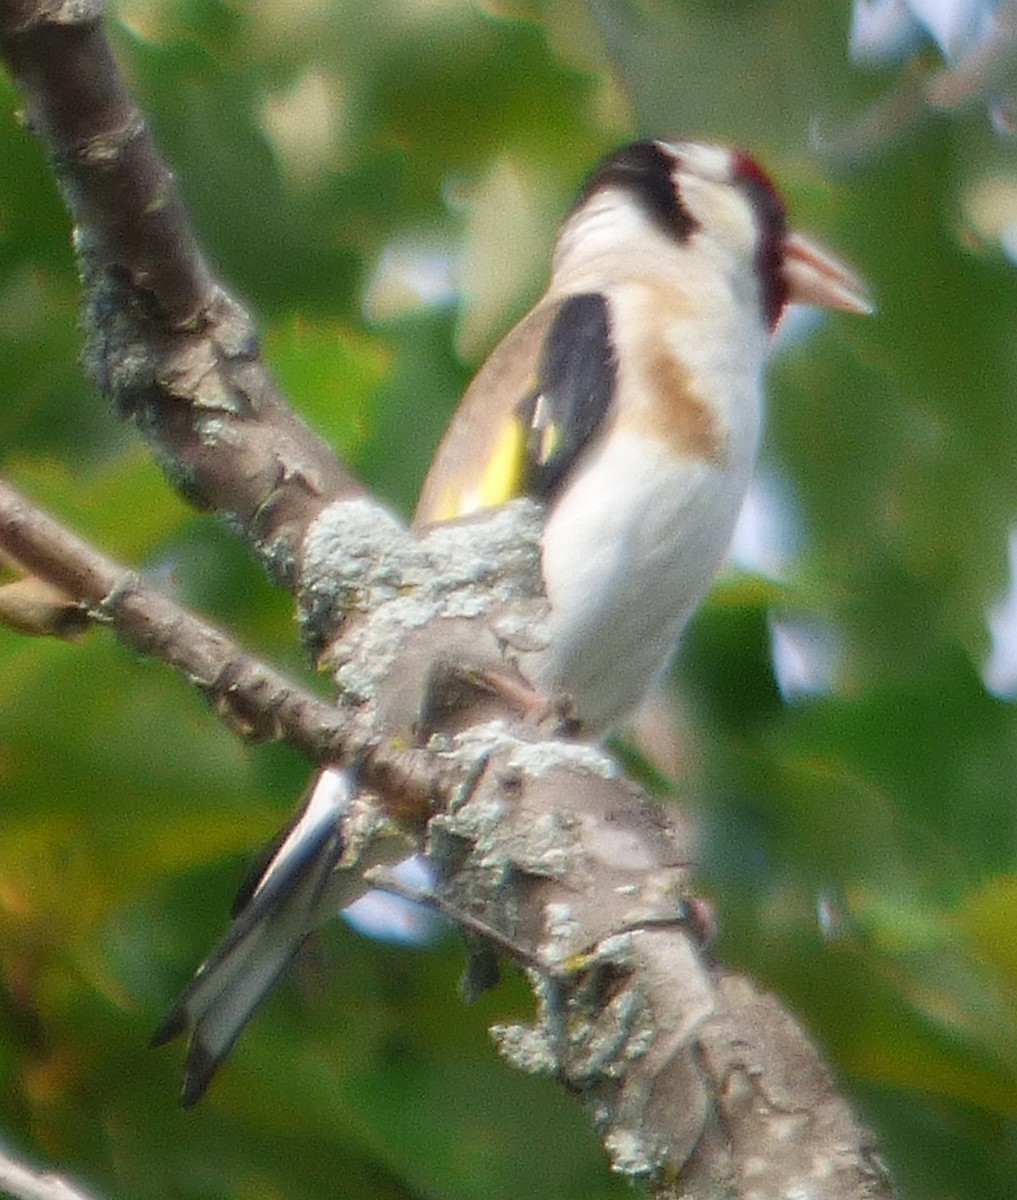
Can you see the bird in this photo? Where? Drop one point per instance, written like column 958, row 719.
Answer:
column 629, row 402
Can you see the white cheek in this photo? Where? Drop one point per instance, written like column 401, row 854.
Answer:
column 725, row 214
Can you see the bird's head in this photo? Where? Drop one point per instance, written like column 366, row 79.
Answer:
column 723, row 209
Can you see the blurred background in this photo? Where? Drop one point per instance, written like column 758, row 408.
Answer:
column 381, row 184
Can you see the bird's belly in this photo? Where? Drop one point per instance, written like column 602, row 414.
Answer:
column 629, row 552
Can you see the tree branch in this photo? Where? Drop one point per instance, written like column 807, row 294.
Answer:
column 254, row 699
column 260, row 701
column 174, row 351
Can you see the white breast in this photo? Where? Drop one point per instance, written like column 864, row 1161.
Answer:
column 629, row 553
column 635, row 539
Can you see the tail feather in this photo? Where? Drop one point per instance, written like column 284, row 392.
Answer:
column 285, row 904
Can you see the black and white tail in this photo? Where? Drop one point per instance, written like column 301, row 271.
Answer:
column 294, row 893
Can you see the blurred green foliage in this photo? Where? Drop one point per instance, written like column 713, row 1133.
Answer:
column 860, row 844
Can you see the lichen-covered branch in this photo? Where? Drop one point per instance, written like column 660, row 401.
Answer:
column 172, row 349
column 700, row 1086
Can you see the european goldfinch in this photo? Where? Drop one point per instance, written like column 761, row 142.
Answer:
column 629, row 400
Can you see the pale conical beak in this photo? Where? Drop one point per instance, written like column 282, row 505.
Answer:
column 814, row 276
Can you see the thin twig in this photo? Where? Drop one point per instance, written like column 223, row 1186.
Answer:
column 253, row 698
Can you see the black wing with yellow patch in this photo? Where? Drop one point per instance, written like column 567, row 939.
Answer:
column 531, row 410
column 576, row 381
